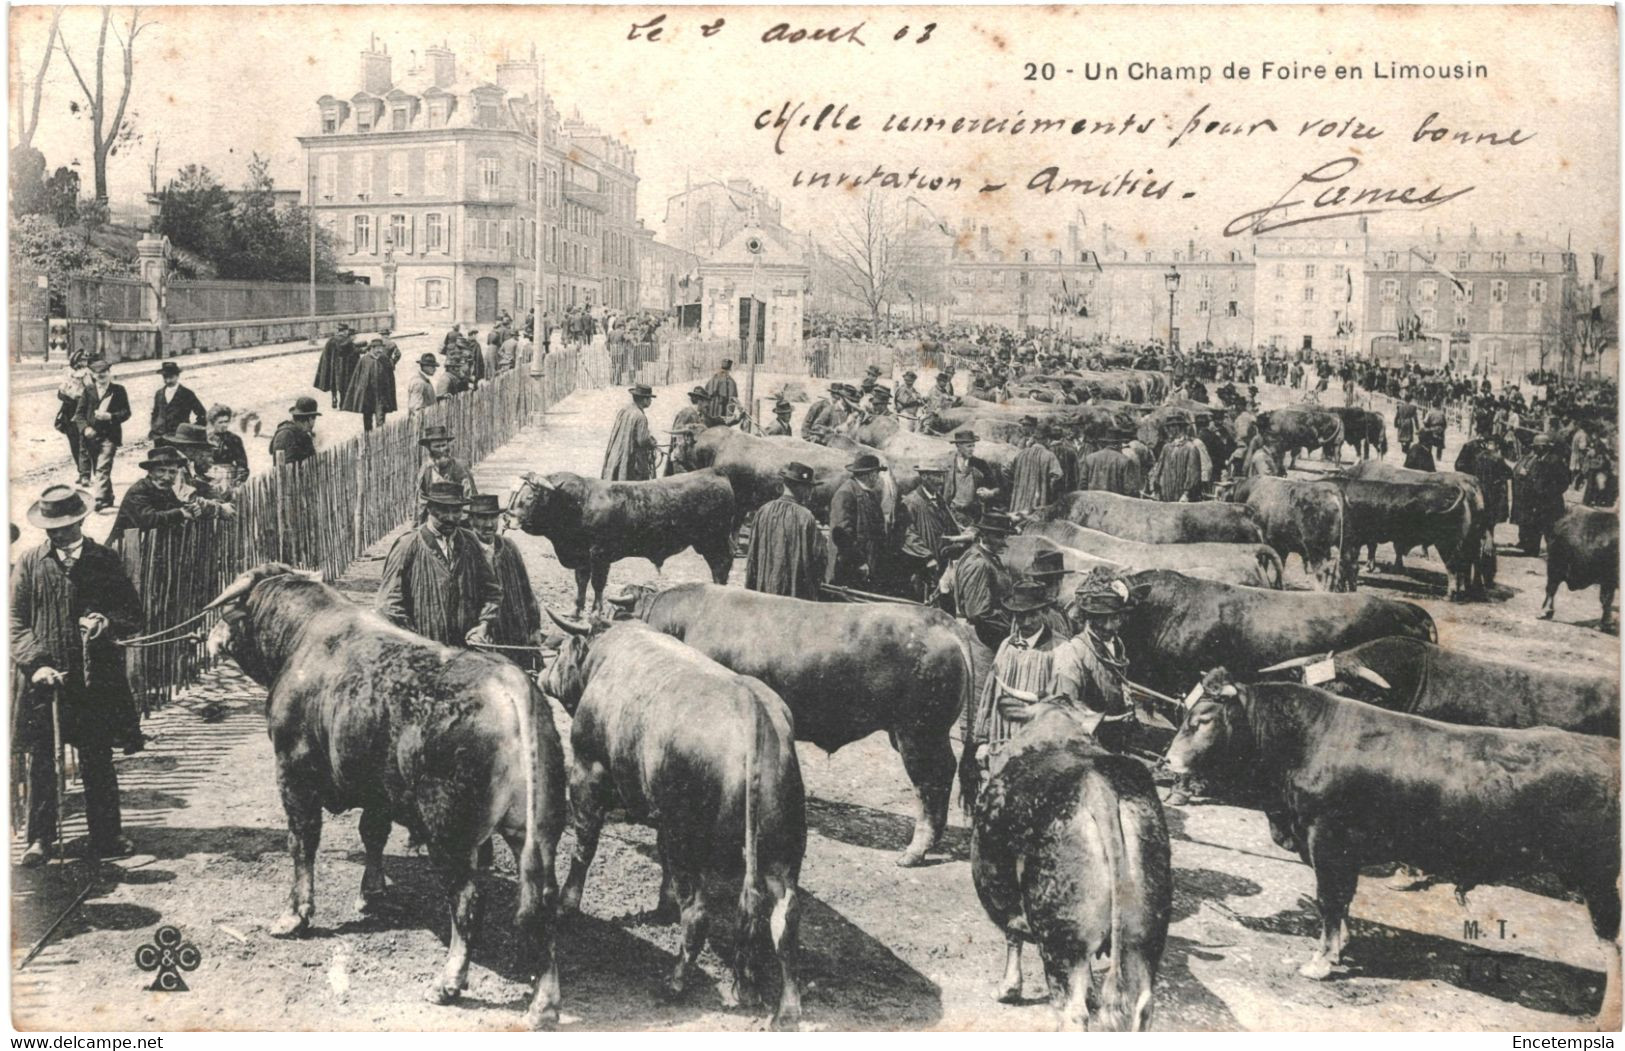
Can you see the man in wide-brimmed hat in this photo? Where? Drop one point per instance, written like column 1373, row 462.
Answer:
column 173, row 404
column 519, row 618
column 825, row 414
column 1035, row 476
column 193, row 483
column 103, row 408
column 780, row 427
column 1177, row 475
column 692, row 414
column 337, row 363
column 969, row 484
column 786, row 554
column 630, row 454
column 926, row 525
column 1110, row 468
column 420, row 392
column 908, row 400
column 722, row 396
column 441, row 466
column 372, row 384
column 152, row 502
column 294, row 440
column 857, row 525
column 979, row 583
column 71, row 598
column 1048, row 568
column 437, row 582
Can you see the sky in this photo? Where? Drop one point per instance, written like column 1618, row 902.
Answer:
column 214, row 85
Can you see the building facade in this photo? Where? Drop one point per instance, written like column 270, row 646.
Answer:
column 667, row 277
column 434, row 185
column 1309, row 289
column 777, row 278
column 1499, row 306
column 708, row 215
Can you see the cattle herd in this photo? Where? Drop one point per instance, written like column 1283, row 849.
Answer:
column 1334, row 710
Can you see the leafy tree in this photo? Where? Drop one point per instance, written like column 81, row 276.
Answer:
column 194, row 212
column 62, row 196
column 27, row 181
column 37, row 242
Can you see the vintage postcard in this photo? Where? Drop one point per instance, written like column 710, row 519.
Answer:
column 869, row 518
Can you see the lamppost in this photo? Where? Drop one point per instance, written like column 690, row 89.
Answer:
column 1171, row 279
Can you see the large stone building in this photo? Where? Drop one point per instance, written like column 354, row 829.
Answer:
column 708, row 215
column 668, row 277
column 776, row 277
column 1309, row 287
column 1511, row 314
column 431, row 182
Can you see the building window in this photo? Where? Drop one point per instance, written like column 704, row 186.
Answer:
column 433, row 232
column 397, row 233
column 1430, row 318
column 330, row 121
column 434, row 171
column 397, row 173
column 397, row 118
column 434, row 293
column 1461, row 261
column 490, row 178
column 1201, row 307
column 328, row 172
column 1280, row 269
column 530, row 183
column 1390, row 318
column 1461, row 320
column 1390, row 289
column 1337, row 271
column 1537, row 261
column 1428, row 290
column 1498, row 260
column 1498, row 291
column 437, row 113
column 1308, row 293
column 1534, row 319
column 1390, row 260
column 363, row 176
column 1233, row 309
column 363, row 117
column 361, row 241
column 1308, row 271
column 1537, row 291
column 1462, row 292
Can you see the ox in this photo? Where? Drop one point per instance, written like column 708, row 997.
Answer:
column 1307, row 519
column 846, row 671
column 1069, row 850
column 1362, row 428
column 1183, row 625
column 1255, row 565
column 709, row 759
column 900, row 446
column 594, row 524
column 1154, row 522
column 1353, row 785
column 1293, row 430
column 1441, row 509
column 1420, row 678
column 754, row 467
column 455, row 745
column 1583, row 550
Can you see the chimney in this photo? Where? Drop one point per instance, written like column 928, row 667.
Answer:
column 442, row 65
column 375, row 68
column 517, row 77
column 1190, row 250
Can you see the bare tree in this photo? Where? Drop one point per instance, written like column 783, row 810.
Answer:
column 105, row 133
column 30, row 112
column 869, row 252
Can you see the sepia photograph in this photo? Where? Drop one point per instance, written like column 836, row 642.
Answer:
column 840, row 519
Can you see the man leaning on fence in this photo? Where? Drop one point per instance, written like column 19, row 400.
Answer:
column 295, row 438
column 70, row 599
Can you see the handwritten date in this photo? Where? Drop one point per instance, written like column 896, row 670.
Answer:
column 654, row 31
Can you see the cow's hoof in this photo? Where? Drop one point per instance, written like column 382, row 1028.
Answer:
column 674, row 988
column 544, row 1019
column 1319, row 968
column 911, row 858
column 290, row 925
column 441, row 993
column 570, row 900
column 785, row 1022
column 1008, row 994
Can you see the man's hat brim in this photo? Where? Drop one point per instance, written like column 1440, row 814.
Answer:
column 38, row 517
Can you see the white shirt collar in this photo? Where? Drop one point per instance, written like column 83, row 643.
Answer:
column 73, row 550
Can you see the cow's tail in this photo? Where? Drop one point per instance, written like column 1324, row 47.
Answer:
column 1270, row 567
column 969, row 775
column 752, row 890
column 538, row 893
column 1101, row 798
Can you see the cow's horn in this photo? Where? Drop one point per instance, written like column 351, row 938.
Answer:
column 538, row 481
column 1010, row 691
column 1296, row 662
column 237, row 589
column 1372, row 677
column 574, row 627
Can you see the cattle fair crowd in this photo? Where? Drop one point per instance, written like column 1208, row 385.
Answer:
column 1069, row 553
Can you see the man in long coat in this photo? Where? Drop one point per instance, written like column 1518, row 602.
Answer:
column 519, row 618
column 780, row 427
column 786, row 555
column 1035, row 476
column 826, row 413
column 980, row 583
column 721, row 395
column 437, row 582
column 337, row 363
column 441, row 466
column 1178, row 473
column 151, row 502
column 1538, row 483
column 857, row 526
column 70, row 599
column 1110, row 469
column 372, row 386
column 692, row 414
column 969, row 481
column 1481, row 457
column 420, row 393
column 630, row 455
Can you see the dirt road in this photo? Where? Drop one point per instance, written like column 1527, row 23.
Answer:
column 883, row 948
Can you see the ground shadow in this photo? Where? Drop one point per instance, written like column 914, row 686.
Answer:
column 1378, row 950
column 863, row 826
column 240, row 842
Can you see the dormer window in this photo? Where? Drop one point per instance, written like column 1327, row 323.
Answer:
column 330, row 120
column 437, row 113
column 363, row 117
column 398, row 118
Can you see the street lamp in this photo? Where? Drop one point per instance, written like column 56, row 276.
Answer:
column 1171, row 279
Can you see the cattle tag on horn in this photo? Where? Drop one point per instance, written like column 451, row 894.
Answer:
column 1319, row 672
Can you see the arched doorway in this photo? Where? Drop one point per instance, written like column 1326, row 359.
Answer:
column 485, row 300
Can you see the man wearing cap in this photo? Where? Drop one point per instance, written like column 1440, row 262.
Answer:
column 68, row 393
column 780, row 427
column 519, row 618
column 825, row 414
column 1035, row 476
column 692, row 414
column 1023, row 671
column 1177, row 475
column 420, row 391
column 630, row 455
column 721, row 396
column 441, row 466
column 152, row 502
column 1538, row 483
column 908, row 401
column 294, row 440
column 337, row 363
column 786, row 555
column 193, row 485
column 1049, row 569
column 173, row 404
column 100, row 419
column 1110, row 469
column 437, row 582
column 979, row 583
column 857, row 525
column 969, row 482
column 372, row 386
column 71, row 598
column 1092, row 668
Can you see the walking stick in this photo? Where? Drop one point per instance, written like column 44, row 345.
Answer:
column 61, row 767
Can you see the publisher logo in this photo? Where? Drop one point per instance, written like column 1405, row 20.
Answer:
column 168, row 954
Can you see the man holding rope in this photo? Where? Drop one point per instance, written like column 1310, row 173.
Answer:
column 70, row 599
